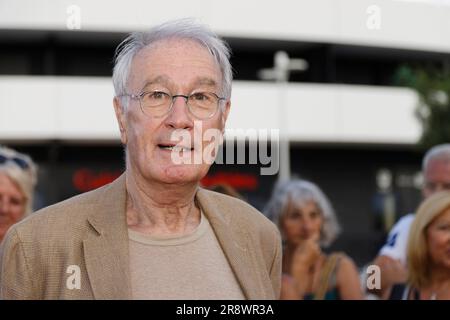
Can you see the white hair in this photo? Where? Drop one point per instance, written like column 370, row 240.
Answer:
column 438, row 152
column 178, row 29
column 299, row 191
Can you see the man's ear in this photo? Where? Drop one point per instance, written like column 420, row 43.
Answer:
column 120, row 115
column 226, row 111
column 224, row 117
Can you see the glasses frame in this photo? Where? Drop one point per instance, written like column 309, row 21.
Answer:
column 173, row 97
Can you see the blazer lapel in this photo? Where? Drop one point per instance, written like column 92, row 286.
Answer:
column 236, row 245
column 106, row 249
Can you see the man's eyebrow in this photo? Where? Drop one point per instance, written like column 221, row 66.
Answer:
column 164, row 80
column 158, row 80
column 205, row 81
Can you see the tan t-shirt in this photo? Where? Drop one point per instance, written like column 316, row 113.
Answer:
column 187, row 267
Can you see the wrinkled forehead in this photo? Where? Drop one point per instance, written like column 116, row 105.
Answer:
column 166, row 59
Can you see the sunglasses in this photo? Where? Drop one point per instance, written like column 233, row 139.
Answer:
column 20, row 162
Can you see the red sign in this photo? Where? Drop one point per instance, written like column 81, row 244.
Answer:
column 86, row 180
column 237, row 180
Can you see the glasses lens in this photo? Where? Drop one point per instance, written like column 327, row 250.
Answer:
column 155, row 103
column 203, row 105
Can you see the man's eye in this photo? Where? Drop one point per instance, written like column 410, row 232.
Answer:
column 200, row 96
column 157, row 95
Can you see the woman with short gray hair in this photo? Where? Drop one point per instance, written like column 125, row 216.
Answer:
column 307, row 222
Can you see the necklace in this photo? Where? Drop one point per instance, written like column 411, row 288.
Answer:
column 439, row 291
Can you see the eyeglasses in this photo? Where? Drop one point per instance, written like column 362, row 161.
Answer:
column 202, row 105
column 20, row 162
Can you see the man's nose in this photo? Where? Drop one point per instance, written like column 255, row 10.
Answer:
column 179, row 117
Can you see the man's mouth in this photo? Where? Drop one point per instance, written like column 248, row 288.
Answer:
column 175, row 148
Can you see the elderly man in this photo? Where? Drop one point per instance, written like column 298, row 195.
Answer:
column 392, row 256
column 153, row 233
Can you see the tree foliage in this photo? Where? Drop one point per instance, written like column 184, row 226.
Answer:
column 433, row 110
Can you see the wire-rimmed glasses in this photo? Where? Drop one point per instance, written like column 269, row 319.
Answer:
column 202, row 105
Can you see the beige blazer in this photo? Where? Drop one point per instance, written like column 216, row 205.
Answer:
column 86, row 237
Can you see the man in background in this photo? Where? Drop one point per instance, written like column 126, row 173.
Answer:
column 392, row 257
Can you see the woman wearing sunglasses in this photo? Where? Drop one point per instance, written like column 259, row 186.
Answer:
column 17, row 181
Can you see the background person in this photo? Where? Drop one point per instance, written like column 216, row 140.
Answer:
column 307, row 222
column 18, row 177
column 428, row 252
column 392, row 256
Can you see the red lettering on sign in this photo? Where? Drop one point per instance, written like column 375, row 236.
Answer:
column 239, row 181
column 86, row 179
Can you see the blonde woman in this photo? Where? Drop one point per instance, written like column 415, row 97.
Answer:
column 307, row 223
column 17, row 181
column 428, row 252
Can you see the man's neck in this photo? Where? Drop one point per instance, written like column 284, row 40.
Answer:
column 161, row 209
